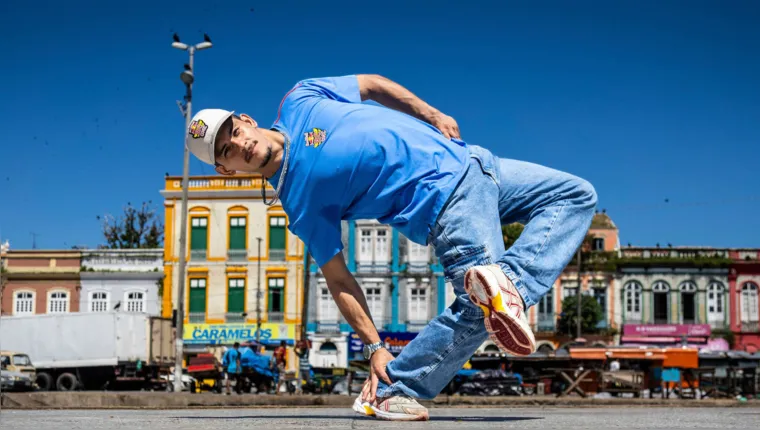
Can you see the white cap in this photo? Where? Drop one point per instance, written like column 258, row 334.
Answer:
column 201, row 135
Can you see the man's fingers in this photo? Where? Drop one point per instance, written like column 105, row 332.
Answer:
column 373, row 390
column 365, row 390
column 384, row 376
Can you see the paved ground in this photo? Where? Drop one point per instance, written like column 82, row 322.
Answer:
column 441, row 418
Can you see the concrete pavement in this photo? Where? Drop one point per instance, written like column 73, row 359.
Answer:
column 344, row 418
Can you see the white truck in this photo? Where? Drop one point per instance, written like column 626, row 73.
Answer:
column 92, row 351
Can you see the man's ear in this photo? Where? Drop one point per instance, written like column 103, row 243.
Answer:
column 223, row 170
column 248, row 119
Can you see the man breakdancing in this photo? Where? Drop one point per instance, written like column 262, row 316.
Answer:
column 331, row 157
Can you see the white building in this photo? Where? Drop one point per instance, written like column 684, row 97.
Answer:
column 127, row 280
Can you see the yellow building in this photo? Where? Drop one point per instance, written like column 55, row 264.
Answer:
column 227, row 223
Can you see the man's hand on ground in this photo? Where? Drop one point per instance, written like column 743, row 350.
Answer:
column 446, row 124
column 377, row 365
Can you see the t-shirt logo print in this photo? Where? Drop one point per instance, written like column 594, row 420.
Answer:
column 198, row 129
column 315, row 137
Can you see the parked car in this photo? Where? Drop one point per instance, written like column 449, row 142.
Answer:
column 15, row 381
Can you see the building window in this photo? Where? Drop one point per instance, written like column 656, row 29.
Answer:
column 660, row 289
column 328, row 310
column 598, row 244
column 99, row 301
column 135, row 301
column 546, row 312
column 418, row 254
column 328, row 355
column 418, row 303
column 237, row 249
column 374, row 246
column 632, row 296
column 276, row 299
column 277, row 238
column 749, row 303
column 23, row 303
column 58, row 302
column 599, row 290
column 198, row 238
column 197, row 312
column 235, row 299
column 569, row 288
column 688, row 302
column 375, row 303
column 716, row 304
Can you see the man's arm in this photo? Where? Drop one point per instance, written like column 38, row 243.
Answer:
column 350, row 299
column 394, row 96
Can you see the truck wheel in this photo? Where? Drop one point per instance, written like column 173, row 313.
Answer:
column 67, row 382
column 44, row 381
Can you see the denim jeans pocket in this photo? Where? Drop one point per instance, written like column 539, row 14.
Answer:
column 487, row 162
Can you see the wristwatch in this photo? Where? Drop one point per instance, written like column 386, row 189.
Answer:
column 370, row 349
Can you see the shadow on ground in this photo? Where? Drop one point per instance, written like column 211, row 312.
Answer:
column 358, row 417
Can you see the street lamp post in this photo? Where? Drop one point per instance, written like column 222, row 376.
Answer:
column 187, row 78
column 258, row 296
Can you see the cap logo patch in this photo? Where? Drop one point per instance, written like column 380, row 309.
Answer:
column 198, row 129
column 315, row 137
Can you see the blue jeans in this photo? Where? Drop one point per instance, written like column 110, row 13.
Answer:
column 556, row 209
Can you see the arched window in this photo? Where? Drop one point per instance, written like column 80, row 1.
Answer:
column 660, row 290
column 632, row 295
column 716, row 309
column 328, row 355
column 99, row 301
column 58, row 302
column 688, row 302
column 135, row 301
column 23, row 303
column 749, row 303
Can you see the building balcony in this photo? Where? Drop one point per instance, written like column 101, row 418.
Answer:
column 237, row 255
column 196, row 317
column 718, row 325
column 416, row 326
column 750, row 327
column 198, row 255
column 417, row 267
column 328, row 326
column 545, row 325
column 275, row 317
column 234, row 317
column 373, row 267
column 276, row 255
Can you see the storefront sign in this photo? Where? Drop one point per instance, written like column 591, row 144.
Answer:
column 394, row 341
column 666, row 330
column 224, row 334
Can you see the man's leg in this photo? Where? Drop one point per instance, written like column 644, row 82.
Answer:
column 467, row 234
column 557, row 209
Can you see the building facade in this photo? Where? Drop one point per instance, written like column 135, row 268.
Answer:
column 126, row 280
column 402, row 282
column 744, row 298
column 243, row 265
column 40, row 282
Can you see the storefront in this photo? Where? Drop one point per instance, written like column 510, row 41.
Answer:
column 215, row 338
column 692, row 335
column 394, row 343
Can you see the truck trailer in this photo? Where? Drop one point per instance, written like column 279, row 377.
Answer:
column 92, row 351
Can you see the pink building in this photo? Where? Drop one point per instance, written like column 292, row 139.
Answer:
column 744, row 288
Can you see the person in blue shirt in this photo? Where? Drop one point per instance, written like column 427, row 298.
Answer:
column 232, row 367
column 365, row 147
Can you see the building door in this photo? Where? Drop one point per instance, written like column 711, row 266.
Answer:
column 661, row 291
column 688, row 308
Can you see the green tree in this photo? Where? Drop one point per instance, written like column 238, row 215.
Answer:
column 591, row 314
column 136, row 228
column 511, row 232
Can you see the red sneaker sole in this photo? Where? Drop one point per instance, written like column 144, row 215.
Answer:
column 507, row 332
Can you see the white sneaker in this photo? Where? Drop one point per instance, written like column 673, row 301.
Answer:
column 362, row 407
column 400, row 408
column 506, row 322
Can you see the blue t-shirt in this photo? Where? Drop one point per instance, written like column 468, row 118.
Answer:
column 353, row 160
column 230, row 360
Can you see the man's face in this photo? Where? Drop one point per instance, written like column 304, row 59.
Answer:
column 241, row 147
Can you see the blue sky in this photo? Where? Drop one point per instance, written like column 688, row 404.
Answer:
column 647, row 100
